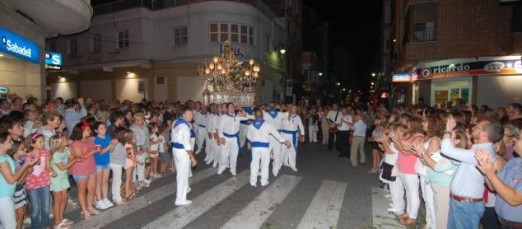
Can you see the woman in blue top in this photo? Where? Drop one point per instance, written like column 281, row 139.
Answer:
column 507, row 183
column 8, row 180
column 105, row 145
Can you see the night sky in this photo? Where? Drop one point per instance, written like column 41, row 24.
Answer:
column 356, row 28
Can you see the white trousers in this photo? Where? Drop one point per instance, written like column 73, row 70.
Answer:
column 288, row 155
column 441, row 195
column 116, row 181
column 200, row 138
column 7, row 216
column 140, row 169
column 275, row 148
column 182, row 176
column 228, row 154
column 427, row 195
column 259, row 155
column 211, row 150
column 243, row 128
column 397, row 194
column 411, row 184
column 312, row 133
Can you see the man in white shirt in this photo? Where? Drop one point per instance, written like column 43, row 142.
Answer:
column 274, row 118
column 229, row 137
column 259, row 134
column 344, row 124
column 291, row 129
column 183, row 155
column 200, row 126
column 333, row 119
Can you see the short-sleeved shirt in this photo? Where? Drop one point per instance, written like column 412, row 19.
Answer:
column 61, row 181
column 154, row 137
column 86, row 167
column 39, row 178
column 103, row 159
column 511, row 174
column 119, row 155
column 6, row 189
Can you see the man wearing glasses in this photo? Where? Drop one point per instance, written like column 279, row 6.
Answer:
column 467, row 187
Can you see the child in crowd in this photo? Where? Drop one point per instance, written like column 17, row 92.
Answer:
column 165, row 157
column 130, row 191
column 60, row 163
column 39, row 181
column 9, row 175
column 154, row 148
column 102, row 161
column 19, row 153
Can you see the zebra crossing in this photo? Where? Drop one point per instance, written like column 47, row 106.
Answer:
column 323, row 209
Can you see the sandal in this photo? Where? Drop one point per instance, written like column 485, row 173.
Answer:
column 404, row 216
column 408, row 221
column 67, row 222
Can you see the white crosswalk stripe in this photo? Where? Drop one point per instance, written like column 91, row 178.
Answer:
column 181, row 216
column 140, row 202
column 256, row 213
column 325, row 208
column 381, row 217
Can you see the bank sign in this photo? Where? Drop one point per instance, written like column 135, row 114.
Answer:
column 53, row 60
column 18, row 46
column 471, row 67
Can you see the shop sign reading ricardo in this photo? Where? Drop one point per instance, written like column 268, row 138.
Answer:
column 18, row 46
column 471, row 67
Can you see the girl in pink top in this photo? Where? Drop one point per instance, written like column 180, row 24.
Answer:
column 84, row 171
column 38, row 182
column 406, row 166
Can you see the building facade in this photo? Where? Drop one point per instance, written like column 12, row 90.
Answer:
column 24, row 26
column 450, row 52
column 154, row 51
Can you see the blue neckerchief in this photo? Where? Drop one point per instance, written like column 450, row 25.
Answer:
column 273, row 113
column 183, row 121
column 258, row 123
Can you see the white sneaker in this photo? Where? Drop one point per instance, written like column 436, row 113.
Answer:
column 107, row 202
column 233, row 173
column 101, row 205
column 265, row 184
column 253, row 185
column 147, row 181
column 294, row 168
column 189, row 190
column 183, row 203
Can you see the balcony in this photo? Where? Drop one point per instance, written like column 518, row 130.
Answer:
column 55, row 16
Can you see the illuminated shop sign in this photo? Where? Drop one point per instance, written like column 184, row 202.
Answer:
column 471, row 67
column 18, row 46
column 401, row 77
column 53, row 60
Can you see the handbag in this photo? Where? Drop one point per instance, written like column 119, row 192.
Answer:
column 388, row 172
column 333, row 126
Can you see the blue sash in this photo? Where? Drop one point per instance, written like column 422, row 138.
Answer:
column 202, row 126
column 260, row 144
column 183, row 121
column 178, row 145
column 294, row 136
column 236, row 135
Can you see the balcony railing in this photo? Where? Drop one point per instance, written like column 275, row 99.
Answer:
column 112, row 7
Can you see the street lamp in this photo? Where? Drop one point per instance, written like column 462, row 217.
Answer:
column 373, row 74
column 338, row 84
column 320, row 74
column 282, row 51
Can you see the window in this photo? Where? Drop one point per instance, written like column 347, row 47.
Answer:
column 224, row 32
column 96, row 43
column 235, row 33
column 420, row 22
column 73, row 47
column 180, row 36
column 123, row 39
column 214, row 32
